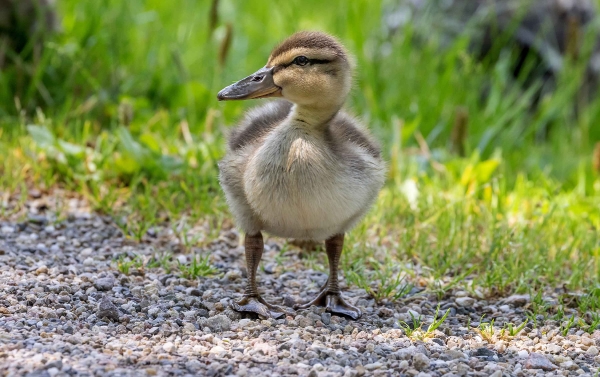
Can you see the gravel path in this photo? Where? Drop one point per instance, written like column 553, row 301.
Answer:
column 65, row 309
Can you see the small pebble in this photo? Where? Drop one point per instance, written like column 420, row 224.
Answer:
column 107, row 309
column 168, row 347
column 420, row 361
column 465, row 301
column 538, row 361
column 592, row 351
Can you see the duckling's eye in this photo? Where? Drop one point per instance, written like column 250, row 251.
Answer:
column 301, row 60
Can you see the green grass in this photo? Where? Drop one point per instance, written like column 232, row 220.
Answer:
column 415, row 330
column 125, row 264
column 199, row 267
column 122, row 109
column 509, row 330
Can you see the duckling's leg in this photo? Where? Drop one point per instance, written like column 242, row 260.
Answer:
column 251, row 301
column 330, row 296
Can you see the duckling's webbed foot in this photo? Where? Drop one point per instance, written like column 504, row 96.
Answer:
column 251, row 301
column 330, row 296
column 256, row 304
column 333, row 303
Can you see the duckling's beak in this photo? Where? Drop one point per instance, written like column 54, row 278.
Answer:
column 258, row 85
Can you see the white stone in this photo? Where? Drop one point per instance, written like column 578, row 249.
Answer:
column 373, row 366
column 592, row 351
column 553, row 348
column 413, row 314
column 217, row 349
column 465, row 301
column 169, row 347
column 7, row 229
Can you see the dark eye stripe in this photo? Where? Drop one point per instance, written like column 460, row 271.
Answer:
column 310, row 62
column 319, row 61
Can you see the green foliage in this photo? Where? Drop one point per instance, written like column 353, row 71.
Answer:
column 199, row 267
column 412, row 330
column 594, row 324
column 415, row 330
column 383, row 283
column 125, row 263
column 162, row 260
column 486, row 330
column 566, row 326
column 509, row 329
column 437, row 322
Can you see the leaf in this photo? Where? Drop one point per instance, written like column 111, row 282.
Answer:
column 41, row 135
column 71, row 149
column 467, row 175
column 170, row 164
column 126, row 165
column 130, row 146
column 151, row 142
column 408, row 129
column 484, row 170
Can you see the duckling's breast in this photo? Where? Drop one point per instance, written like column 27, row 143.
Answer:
column 301, row 189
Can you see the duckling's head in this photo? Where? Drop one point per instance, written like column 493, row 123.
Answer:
column 310, row 69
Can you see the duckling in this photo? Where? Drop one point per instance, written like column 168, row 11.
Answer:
column 299, row 167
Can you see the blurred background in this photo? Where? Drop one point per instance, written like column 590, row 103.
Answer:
column 519, row 74
column 488, row 111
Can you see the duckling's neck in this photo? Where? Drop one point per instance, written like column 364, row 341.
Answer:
column 312, row 116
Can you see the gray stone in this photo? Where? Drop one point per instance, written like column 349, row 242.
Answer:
column 304, row 321
column 539, row 361
column 465, row 301
column 107, row 309
column 193, row 366
column 58, row 364
column 517, row 300
column 193, row 292
column 453, row 355
column 438, row 341
column 420, row 362
column 484, row 352
column 216, row 323
column 104, row 284
column 232, row 314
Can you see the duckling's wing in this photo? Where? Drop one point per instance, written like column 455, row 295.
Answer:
column 362, row 169
column 345, row 133
column 243, row 140
column 258, row 122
